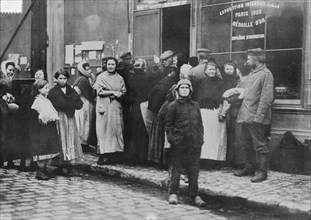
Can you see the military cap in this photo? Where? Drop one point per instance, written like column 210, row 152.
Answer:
column 125, row 54
column 203, row 50
column 166, row 54
column 256, row 52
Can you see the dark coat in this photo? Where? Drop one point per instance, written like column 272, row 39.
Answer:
column 66, row 103
column 209, row 92
column 85, row 87
column 157, row 95
column 184, row 121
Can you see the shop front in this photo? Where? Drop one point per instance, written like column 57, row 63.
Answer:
column 229, row 28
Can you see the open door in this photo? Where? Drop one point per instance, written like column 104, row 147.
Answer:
column 38, row 36
column 147, row 35
column 176, row 29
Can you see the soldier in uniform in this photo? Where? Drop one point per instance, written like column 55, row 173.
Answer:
column 197, row 73
column 255, row 114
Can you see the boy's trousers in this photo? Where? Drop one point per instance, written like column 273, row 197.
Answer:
column 185, row 156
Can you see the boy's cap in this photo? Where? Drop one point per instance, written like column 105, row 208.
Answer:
column 166, row 54
column 184, row 81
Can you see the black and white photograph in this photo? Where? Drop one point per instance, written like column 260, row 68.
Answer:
column 155, row 109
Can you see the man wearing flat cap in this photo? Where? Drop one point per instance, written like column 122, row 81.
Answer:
column 255, row 115
column 166, row 76
column 161, row 69
column 126, row 70
column 197, row 73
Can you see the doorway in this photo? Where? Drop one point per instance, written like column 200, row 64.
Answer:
column 176, row 29
column 38, row 36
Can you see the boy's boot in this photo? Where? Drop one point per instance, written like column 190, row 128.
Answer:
column 249, row 164
column 22, row 166
column 10, row 164
column 198, row 201
column 41, row 176
column 261, row 175
column 173, row 200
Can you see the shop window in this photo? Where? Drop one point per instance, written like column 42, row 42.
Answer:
column 215, row 29
column 221, row 58
column 286, row 69
column 285, row 26
column 232, row 27
column 9, row 6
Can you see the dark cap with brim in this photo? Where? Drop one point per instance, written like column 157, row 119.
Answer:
column 203, row 50
column 256, row 52
column 125, row 54
column 166, row 54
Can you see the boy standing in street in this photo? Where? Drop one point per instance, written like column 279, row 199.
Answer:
column 184, row 130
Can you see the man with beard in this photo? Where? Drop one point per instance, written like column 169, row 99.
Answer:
column 255, row 114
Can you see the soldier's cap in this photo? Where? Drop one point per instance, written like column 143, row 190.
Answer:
column 125, row 54
column 166, row 54
column 256, row 52
column 203, row 50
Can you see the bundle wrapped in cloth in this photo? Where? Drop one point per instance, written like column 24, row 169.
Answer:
column 234, row 95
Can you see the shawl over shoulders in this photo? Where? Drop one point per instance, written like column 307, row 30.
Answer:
column 105, row 81
column 66, row 103
column 85, row 87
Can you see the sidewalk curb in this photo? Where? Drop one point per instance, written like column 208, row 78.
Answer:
column 287, row 209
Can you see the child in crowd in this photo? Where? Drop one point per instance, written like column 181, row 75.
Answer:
column 184, row 130
column 66, row 101
column 43, row 138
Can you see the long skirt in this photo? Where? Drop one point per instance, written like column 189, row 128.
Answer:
column 215, row 136
column 137, row 146
column 156, row 141
column 69, row 137
column 86, row 123
column 148, row 116
column 109, row 128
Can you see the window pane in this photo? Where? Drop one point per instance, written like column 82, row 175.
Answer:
column 285, row 25
column 215, row 29
column 286, row 69
column 248, row 25
column 220, row 58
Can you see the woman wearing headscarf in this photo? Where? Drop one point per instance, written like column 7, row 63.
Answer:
column 137, row 141
column 11, row 148
column 230, row 77
column 85, row 117
column 209, row 92
column 110, row 88
column 158, row 140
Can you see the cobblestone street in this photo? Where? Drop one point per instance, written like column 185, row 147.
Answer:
column 87, row 197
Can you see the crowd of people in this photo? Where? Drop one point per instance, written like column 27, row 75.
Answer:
column 170, row 115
